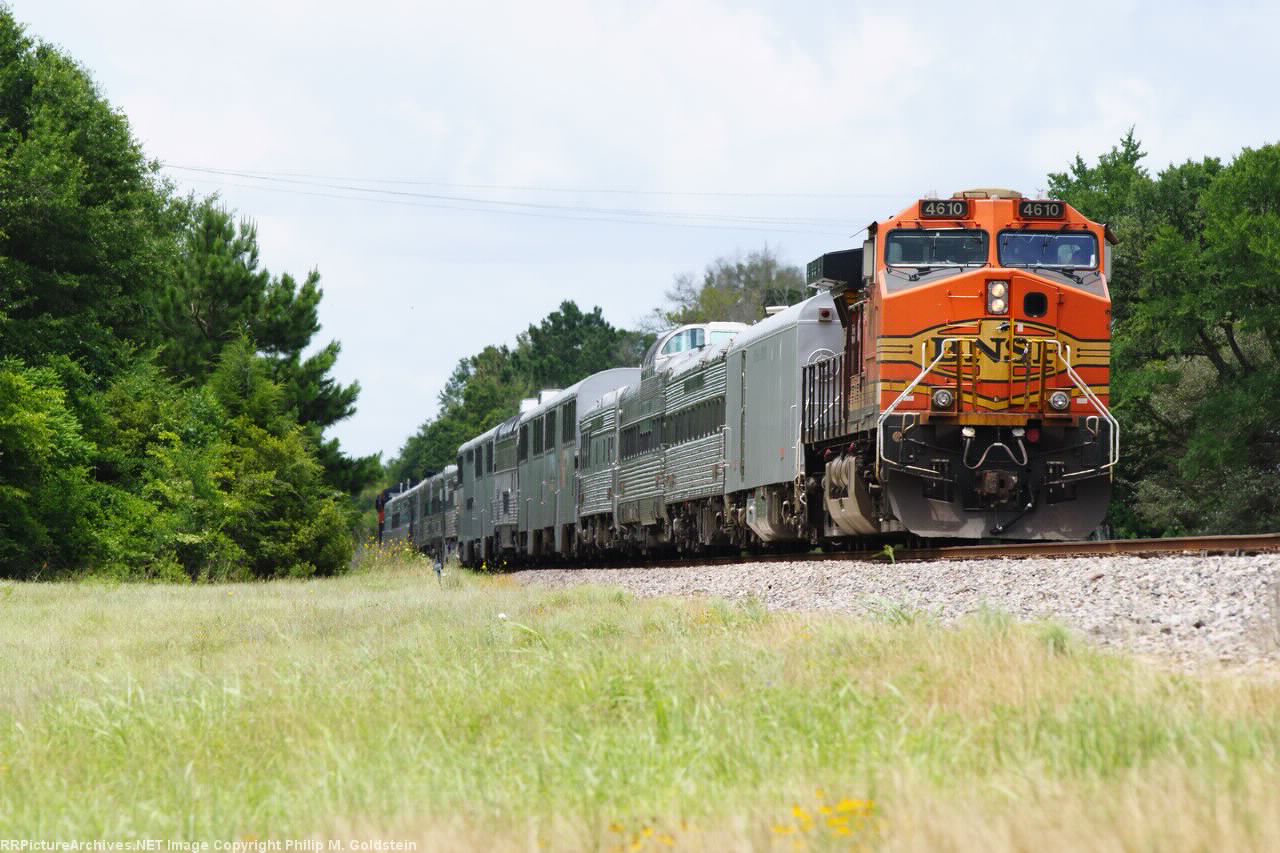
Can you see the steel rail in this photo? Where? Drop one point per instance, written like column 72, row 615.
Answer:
column 1199, row 545
column 1231, row 544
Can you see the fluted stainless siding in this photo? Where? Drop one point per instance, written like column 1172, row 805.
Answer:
column 695, row 468
column 595, row 492
column 596, row 485
column 713, row 386
column 639, row 480
column 505, row 481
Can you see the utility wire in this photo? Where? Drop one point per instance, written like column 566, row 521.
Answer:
column 610, row 211
column 550, row 189
column 537, row 215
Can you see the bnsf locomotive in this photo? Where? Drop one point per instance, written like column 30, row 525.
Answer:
column 948, row 379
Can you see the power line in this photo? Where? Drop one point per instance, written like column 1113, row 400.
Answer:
column 533, row 214
column 414, row 181
column 499, row 203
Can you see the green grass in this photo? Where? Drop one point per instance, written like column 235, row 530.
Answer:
column 477, row 713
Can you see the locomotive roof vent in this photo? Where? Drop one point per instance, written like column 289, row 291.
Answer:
column 987, row 192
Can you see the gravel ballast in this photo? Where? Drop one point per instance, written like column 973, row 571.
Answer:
column 1194, row 609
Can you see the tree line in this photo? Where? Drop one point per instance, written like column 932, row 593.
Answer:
column 1196, row 336
column 568, row 345
column 158, row 416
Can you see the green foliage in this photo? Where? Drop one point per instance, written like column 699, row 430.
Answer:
column 157, row 416
column 1196, row 358
column 485, row 389
column 83, row 220
column 219, row 294
column 251, row 502
column 569, row 345
column 732, row 289
column 44, row 474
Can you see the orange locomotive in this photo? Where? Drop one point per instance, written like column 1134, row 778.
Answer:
column 971, row 397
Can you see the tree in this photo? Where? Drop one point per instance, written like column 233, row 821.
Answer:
column 568, row 345
column 200, row 461
column 485, row 389
column 1242, row 230
column 219, row 294
column 735, row 289
column 1195, row 373
column 84, row 222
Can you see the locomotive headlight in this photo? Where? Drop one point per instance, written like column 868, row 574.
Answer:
column 968, row 432
column 997, row 291
column 943, row 398
column 1060, row 400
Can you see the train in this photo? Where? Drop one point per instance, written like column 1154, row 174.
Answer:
column 949, row 379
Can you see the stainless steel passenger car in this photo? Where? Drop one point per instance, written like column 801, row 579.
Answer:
column 764, row 450
column 436, row 532
column 475, row 524
column 547, row 458
column 626, row 476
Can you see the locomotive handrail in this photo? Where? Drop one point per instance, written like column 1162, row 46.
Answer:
column 943, row 348
column 1063, row 352
column 1095, row 400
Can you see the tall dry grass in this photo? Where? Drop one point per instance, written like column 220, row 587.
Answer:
column 469, row 712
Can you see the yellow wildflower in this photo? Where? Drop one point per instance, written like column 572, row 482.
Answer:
column 800, row 813
column 615, row 827
column 783, row 829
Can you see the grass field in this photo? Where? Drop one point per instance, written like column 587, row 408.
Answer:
column 476, row 714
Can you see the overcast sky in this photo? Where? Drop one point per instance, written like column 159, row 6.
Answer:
column 626, row 142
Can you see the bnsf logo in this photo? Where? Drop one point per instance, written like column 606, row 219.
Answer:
column 995, row 350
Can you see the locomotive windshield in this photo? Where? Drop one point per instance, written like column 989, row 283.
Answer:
column 1067, row 250
column 950, row 247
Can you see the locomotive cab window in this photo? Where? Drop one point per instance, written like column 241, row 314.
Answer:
column 1071, row 250
column 936, row 247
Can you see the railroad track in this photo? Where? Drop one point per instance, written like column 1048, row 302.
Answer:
column 1200, row 545
column 917, row 552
